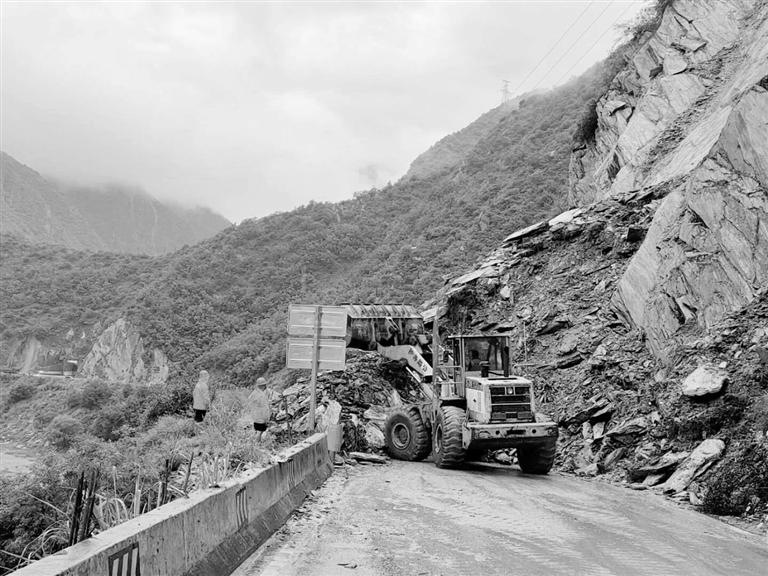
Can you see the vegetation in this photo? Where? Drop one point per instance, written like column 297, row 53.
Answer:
column 21, row 390
column 125, row 439
column 739, row 485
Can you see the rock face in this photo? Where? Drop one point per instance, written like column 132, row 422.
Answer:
column 118, row 356
column 704, row 380
column 30, row 353
column 689, row 121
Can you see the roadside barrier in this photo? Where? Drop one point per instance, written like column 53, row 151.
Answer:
column 208, row 534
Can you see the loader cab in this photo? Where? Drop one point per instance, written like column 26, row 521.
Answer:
column 484, row 356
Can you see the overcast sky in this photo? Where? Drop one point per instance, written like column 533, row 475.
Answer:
column 255, row 107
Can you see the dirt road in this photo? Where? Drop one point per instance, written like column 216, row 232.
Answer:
column 414, row 519
column 14, row 459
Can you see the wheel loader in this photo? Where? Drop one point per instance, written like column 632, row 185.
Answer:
column 475, row 404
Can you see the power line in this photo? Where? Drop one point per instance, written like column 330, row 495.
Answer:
column 600, row 37
column 555, row 45
column 588, row 28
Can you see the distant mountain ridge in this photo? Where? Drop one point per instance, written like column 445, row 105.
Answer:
column 109, row 218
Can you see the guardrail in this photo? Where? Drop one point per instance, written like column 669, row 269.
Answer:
column 208, row 534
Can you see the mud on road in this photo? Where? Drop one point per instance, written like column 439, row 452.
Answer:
column 415, row 519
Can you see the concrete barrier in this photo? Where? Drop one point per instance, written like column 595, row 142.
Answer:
column 207, row 534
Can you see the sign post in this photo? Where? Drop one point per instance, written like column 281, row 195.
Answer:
column 315, row 360
column 316, row 340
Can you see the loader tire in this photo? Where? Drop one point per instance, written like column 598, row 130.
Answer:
column 406, row 435
column 538, row 458
column 448, row 449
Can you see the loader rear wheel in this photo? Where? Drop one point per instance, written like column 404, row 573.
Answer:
column 406, row 435
column 449, row 451
column 538, row 458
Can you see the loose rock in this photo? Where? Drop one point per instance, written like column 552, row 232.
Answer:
column 700, row 459
column 704, row 380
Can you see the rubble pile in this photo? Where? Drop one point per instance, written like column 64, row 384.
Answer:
column 359, row 398
column 622, row 412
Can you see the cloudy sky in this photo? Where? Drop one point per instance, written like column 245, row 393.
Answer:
column 255, row 107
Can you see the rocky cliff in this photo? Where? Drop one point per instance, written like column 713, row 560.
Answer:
column 641, row 313
column 688, row 121
column 118, row 355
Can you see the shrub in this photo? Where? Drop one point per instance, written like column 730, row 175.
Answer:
column 171, row 428
column 94, row 394
column 109, row 422
column 62, row 431
column 19, row 391
column 586, row 127
column 739, row 484
column 171, row 398
column 44, row 415
column 698, row 425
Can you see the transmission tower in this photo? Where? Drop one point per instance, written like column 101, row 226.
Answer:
column 505, row 94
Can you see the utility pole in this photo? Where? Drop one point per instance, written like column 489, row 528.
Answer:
column 505, row 94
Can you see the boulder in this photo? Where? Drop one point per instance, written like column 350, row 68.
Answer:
column 704, row 380
column 374, row 437
column 375, row 413
column 697, row 463
column 630, row 428
column 662, row 467
column 367, row 457
column 578, row 418
column 613, row 457
column 674, row 62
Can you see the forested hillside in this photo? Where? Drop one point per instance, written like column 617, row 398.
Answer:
column 109, row 218
column 222, row 303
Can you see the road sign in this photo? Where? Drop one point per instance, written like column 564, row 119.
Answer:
column 330, row 353
column 333, row 321
column 316, row 340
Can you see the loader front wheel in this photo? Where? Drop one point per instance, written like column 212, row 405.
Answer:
column 538, row 458
column 406, row 435
column 448, row 448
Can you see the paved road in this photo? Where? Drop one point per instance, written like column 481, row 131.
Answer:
column 414, row 519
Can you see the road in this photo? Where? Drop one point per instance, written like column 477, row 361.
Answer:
column 14, row 459
column 415, row 519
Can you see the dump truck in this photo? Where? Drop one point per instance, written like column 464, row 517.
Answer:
column 475, row 403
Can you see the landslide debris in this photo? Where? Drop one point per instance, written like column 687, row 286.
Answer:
column 359, row 398
column 622, row 412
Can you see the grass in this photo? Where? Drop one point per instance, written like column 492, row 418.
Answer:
column 144, row 462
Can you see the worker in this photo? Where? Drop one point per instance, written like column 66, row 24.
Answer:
column 474, row 362
column 257, row 408
column 201, row 396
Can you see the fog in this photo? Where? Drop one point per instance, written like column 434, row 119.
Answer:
column 255, row 107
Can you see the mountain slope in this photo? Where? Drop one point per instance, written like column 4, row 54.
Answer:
column 33, row 208
column 222, row 303
column 111, row 218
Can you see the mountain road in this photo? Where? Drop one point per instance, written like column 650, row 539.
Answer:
column 416, row 519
